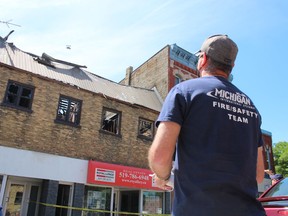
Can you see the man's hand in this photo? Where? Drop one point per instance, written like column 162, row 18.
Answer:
column 161, row 183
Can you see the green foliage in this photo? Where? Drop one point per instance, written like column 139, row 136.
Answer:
column 280, row 152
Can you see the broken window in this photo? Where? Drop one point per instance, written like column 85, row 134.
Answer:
column 19, row 95
column 146, row 128
column 69, row 110
column 111, row 121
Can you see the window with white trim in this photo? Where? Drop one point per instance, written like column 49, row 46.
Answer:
column 178, row 79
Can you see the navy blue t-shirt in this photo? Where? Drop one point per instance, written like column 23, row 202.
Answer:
column 216, row 150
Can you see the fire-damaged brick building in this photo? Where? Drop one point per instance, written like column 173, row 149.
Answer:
column 74, row 143
column 71, row 138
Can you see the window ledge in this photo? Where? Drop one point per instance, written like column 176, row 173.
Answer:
column 16, row 107
column 145, row 138
column 110, row 133
column 66, row 123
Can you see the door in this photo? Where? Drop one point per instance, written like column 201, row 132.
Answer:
column 63, row 199
column 21, row 198
column 33, row 198
column 14, row 200
column 130, row 201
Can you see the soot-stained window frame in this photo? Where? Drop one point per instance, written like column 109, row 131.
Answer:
column 111, row 121
column 68, row 111
column 142, row 131
column 19, row 96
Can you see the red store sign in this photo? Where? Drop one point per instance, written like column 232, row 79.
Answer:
column 117, row 175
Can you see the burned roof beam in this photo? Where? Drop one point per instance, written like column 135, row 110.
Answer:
column 46, row 56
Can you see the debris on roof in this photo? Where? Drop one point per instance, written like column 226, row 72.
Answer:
column 75, row 75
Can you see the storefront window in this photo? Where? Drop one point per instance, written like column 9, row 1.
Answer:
column 97, row 198
column 152, row 202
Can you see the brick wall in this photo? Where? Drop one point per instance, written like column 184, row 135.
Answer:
column 37, row 131
column 152, row 73
column 159, row 71
column 181, row 71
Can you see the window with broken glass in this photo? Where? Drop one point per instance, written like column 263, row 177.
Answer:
column 19, row 95
column 69, row 110
column 145, row 128
column 111, row 120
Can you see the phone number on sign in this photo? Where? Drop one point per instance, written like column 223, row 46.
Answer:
column 133, row 176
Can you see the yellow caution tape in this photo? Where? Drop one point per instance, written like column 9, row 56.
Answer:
column 97, row 210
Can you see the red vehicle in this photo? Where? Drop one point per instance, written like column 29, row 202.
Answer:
column 275, row 199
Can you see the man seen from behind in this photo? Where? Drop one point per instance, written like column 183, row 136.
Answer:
column 219, row 142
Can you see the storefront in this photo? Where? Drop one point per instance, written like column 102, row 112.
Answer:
column 33, row 178
column 18, row 192
column 43, row 184
column 122, row 189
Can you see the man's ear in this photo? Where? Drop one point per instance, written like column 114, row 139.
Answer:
column 204, row 59
column 204, row 56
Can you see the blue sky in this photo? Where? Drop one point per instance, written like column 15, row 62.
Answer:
column 108, row 36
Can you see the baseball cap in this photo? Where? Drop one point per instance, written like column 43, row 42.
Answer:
column 220, row 48
column 276, row 176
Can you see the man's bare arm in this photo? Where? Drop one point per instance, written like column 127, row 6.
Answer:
column 161, row 152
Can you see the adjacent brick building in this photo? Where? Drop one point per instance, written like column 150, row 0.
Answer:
column 162, row 71
column 268, row 151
